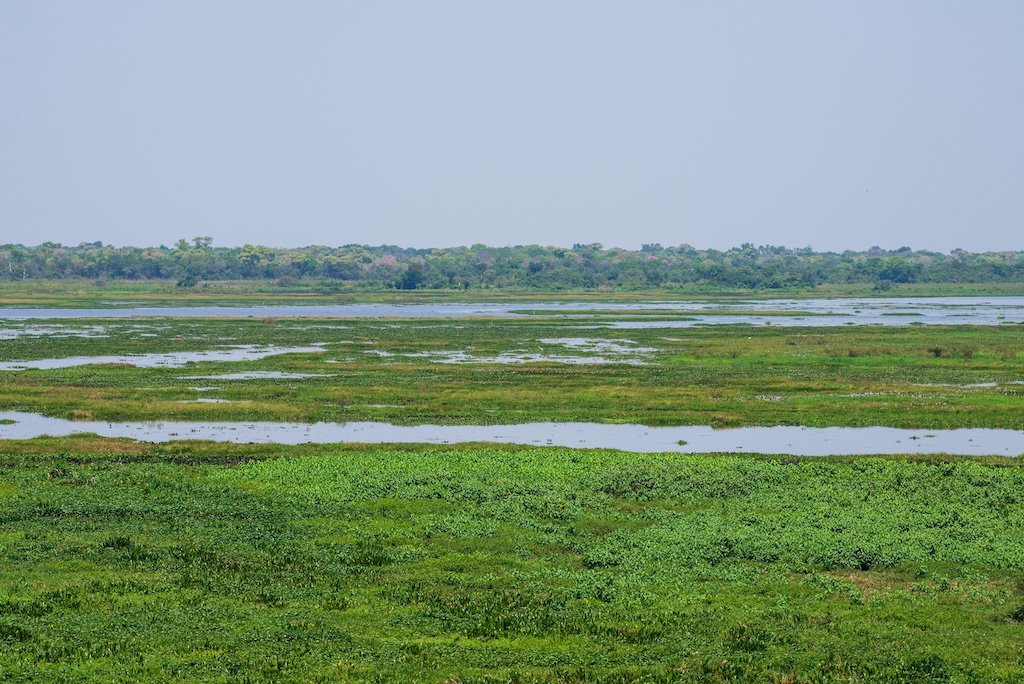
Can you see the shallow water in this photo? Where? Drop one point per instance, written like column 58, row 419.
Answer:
column 53, row 330
column 462, row 357
column 256, row 375
column 796, row 441
column 616, row 351
column 893, row 311
column 210, row 400
column 167, row 360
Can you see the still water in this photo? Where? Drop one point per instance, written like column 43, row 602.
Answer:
column 796, row 441
column 820, row 312
column 165, row 360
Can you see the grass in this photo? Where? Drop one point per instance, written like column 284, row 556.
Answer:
column 210, row 562
column 930, row 377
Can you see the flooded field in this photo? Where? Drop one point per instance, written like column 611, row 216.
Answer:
column 529, row 368
column 782, row 440
column 507, row 476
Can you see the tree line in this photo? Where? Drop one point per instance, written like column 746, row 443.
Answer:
column 583, row 267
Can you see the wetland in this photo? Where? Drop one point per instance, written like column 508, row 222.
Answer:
column 267, row 494
column 532, row 369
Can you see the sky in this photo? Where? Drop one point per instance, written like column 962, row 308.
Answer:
column 435, row 123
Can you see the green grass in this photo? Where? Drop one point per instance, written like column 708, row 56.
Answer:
column 912, row 377
column 210, row 562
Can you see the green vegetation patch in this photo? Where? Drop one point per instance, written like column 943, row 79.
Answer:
column 512, row 371
column 198, row 271
column 222, row 563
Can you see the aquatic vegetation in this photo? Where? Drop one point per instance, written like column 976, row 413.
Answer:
column 224, row 562
column 719, row 375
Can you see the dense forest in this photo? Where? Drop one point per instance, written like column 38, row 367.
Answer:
column 584, row 267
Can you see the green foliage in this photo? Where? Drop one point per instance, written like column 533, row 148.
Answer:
column 527, row 267
column 549, row 565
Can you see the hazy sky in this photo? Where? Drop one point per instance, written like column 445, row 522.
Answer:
column 834, row 124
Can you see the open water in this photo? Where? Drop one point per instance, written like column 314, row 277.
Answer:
column 796, row 441
column 820, row 312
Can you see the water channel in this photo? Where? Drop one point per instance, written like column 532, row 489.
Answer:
column 795, row 441
column 819, row 312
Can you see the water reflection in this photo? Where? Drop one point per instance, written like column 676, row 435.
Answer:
column 795, row 441
column 256, row 375
column 819, row 312
column 248, row 352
